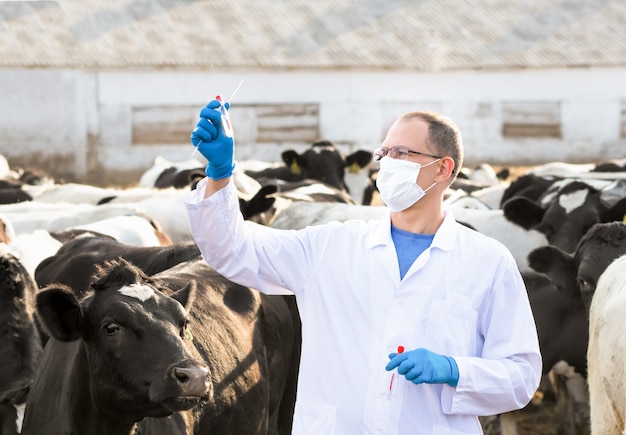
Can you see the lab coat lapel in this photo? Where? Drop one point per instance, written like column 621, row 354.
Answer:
column 381, row 244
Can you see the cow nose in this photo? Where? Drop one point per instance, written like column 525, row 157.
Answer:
column 193, row 381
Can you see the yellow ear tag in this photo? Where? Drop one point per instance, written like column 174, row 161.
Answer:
column 354, row 168
column 295, row 168
column 624, row 220
column 188, row 335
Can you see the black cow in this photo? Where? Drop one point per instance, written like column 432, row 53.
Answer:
column 561, row 323
column 285, row 194
column 13, row 195
column 264, row 321
column 121, row 353
column 561, row 311
column 76, row 261
column 250, row 343
column 322, row 162
column 20, row 344
column 561, row 305
column 568, row 209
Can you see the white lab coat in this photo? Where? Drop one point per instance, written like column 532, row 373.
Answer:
column 463, row 297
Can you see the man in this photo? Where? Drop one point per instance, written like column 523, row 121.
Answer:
column 450, row 296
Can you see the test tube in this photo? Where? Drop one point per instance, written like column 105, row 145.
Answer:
column 228, row 129
column 394, row 378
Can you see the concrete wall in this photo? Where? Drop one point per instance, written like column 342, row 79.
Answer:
column 81, row 125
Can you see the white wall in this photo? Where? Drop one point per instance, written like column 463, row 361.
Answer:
column 80, row 121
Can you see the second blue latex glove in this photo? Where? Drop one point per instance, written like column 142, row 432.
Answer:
column 213, row 143
column 423, row 366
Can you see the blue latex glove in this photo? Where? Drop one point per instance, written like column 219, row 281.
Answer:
column 423, row 366
column 213, row 143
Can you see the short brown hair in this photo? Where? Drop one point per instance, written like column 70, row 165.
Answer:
column 444, row 137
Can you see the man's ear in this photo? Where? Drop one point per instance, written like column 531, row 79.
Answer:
column 446, row 168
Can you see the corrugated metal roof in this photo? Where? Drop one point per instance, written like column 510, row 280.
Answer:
column 417, row 35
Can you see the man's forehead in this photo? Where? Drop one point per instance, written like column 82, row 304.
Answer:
column 407, row 132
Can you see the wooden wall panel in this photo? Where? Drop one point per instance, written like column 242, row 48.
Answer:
column 531, row 119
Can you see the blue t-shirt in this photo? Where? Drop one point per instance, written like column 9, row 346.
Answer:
column 408, row 247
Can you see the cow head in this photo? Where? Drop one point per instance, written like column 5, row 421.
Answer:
column 324, row 162
column 136, row 342
column 564, row 213
column 577, row 274
column 528, row 186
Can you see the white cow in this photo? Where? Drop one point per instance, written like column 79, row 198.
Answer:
column 490, row 222
column 77, row 193
column 32, row 248
column 131, row 230
column 572, row 170
column 26, row 218
column 606, row 354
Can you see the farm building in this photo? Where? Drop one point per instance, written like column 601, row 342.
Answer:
column 94, row 91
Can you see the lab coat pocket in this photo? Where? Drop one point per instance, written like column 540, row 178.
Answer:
column 314, row 419
column 452, row 325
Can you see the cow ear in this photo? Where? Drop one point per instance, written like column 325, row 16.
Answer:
column 557, row 265
column 60, row 313
column 617, row 212
column 291, row 159
column 523, row 212
column 187, row 294
column 358, row 160
column 259, row 203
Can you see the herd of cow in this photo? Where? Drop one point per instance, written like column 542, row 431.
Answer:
column 112, row 323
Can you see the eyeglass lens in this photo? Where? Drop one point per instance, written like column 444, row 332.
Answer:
column 393, row 152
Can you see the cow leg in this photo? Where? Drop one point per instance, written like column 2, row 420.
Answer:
column 572, row 400
column 508, row 424
column 490, row 425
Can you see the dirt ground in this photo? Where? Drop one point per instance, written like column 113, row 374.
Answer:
column 537, row 419
column 532, row 420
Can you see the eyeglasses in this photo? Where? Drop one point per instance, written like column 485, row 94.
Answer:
column 398, row 152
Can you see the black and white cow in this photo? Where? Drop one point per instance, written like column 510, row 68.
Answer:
column 20, row 344
column 607, row 169
column 530, row 186
column 322, row 162
column 120, row 354
column 165, row 174
column 490, row 222
column 569, row 208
